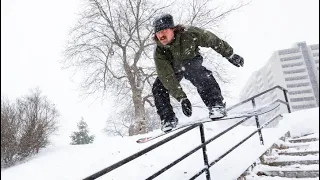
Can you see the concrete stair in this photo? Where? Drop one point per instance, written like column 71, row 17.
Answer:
column 291, row 174
column 303, row 140
column 301, row 153
column 289, row 158
column 292, row 162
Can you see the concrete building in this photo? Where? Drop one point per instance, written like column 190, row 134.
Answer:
column 296, row 69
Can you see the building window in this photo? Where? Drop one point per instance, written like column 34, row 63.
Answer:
column 317, row 61
column 297, row 85
column 295, row 71
column 290, row 58
column 315, row 54
column 306, row 106
column 302, row 99
column 295, row 78
column 288, row 51
column 300, row 92
column 293, row 64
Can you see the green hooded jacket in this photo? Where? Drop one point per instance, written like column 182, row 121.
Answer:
column 170, row 58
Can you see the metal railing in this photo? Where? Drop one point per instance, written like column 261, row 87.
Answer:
column 203, row 142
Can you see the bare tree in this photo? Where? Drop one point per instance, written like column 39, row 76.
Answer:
column 9, row 132
column 26, row 126
column 112, row 44
column 205, row 13
column 39, row 120
column 208, row 14
column 120, row 122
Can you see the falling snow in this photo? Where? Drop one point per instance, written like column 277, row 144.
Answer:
column 77, row 162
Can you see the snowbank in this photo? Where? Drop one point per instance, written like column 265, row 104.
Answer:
column 302, row 122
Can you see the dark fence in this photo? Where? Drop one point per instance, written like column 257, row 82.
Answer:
column 203, row 141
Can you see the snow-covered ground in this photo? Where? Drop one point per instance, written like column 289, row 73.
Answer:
column 69, row 162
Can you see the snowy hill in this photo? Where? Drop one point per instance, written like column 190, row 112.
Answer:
column 77, row 162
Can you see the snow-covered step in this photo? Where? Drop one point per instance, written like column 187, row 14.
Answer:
column 284, row 163
column 293, row 150
column 291, row 174
column 282, row 178
column 290, row 171
column 255, row 177
column 299, row 153
column 312, row 135
column 302, row 144
column 290, row 160
column 298, row 145
column 303, row 140
column 300, row 167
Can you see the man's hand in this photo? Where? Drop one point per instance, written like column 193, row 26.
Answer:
column 186, row 107
column 236, row 60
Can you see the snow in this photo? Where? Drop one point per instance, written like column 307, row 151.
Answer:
column 304, row 121
column 292, row 150
column 300, row 145
column 295, row 167
column 293, row 158
column 303, row 124
column 79, row 161
column 277, row 178
column 314, row 135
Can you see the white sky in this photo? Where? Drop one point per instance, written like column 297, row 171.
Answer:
column 262, row 27
column 34, row 33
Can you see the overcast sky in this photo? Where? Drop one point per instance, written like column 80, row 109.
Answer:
column 34, row 33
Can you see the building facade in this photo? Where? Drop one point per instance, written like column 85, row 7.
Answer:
column 296, row 69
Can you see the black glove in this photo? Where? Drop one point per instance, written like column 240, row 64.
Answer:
column 236, row 60
column 186, row 107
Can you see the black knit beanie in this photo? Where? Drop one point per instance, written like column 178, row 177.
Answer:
column 163, row 22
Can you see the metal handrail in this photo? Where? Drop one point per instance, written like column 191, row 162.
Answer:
column 233, row 148
column 203, row 142
column 255, row 96
column 197, row 148
column 140, row 153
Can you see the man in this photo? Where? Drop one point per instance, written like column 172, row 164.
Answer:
column 177, row 56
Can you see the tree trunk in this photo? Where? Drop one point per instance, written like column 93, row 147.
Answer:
column 140, row 126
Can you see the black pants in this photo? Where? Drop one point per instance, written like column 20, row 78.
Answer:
column 200, row 77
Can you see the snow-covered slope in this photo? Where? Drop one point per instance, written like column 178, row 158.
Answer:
column 78, row 162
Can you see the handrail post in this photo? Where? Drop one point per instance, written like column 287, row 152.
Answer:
column 287, row 101
column 204, row 151
column 257, row 123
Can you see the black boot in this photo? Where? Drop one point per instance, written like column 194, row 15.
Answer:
column 218, row 111
column 168, row 124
